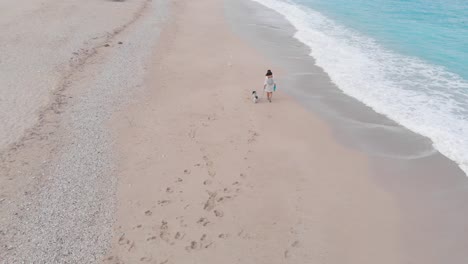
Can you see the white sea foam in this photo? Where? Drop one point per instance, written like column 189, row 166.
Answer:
column 425, row 98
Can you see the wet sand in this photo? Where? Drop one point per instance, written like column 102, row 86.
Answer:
column 430, row 190
column 149, row 149
column 207, row 176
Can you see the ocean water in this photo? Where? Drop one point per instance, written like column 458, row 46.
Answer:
column 406, row 59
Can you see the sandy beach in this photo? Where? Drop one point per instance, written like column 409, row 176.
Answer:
column 237, row 182
column 147, row 148
column 232, row 181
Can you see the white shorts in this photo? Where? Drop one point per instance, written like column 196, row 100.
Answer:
column 269, row 89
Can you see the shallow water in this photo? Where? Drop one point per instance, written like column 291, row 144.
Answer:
column 404, row 59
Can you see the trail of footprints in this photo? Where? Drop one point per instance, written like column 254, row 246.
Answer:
column 289, row 250
column 173, row 234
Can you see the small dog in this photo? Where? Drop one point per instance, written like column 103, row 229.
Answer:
column 254, row 97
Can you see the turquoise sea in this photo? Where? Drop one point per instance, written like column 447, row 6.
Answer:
column 406, row 59
column 433, row 30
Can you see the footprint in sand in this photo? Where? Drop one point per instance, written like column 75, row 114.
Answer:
column 151, row 238
column 164, row 232
column 132, row 246
column 113, row 259
column 209, row 165
column 211, row 202
column 223, row 236
column 164, row 202
column 205, row 242
column 203, row 221
column 218, row 213
column 179, row 236
column 252, row 136
column 202, row 243
column 193, row 246
column 224, row 198
column 208, row 162
column 121, row 239
column 146, row 259
column 208, row 245
column 287, row 252
column 207, row 182
column 212, row 117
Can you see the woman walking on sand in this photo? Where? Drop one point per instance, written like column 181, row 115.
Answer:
column 269, row 85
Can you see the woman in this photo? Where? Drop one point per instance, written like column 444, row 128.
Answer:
column 269, row 85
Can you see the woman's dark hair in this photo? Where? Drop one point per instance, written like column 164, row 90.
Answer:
column 269, row 73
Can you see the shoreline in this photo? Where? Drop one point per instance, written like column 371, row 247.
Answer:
column 355, row 125
column 210, row 177
column 152, row 151
column 379, row 86
column 403, row 163
column 339, row 203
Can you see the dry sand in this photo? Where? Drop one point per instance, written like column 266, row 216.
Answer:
column 44, row 40
column 65, row 67
column 206, row 176
column 202, row 174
